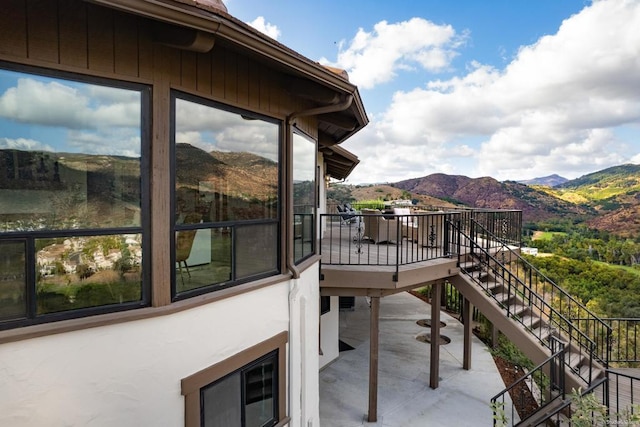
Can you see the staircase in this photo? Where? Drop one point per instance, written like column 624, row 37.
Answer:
column 532, row 311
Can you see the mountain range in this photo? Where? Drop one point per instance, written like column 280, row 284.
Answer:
column 550, row 181
column 607, row 200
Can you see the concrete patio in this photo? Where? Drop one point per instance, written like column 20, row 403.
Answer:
column 404, row 396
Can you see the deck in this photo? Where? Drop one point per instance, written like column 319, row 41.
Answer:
column 354, row 264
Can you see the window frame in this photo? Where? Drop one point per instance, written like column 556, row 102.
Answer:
column 144, row 229
column 315, row 199
column 192, row 385
column 212, row 225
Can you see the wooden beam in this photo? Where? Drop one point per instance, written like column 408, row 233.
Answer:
column 374, row 320
column 434, row 361
column 495, row 332
column 467, row 320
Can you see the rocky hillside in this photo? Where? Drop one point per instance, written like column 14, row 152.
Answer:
column 548, row 181
column 614, row 193
column 489, row 193
column 246, row 174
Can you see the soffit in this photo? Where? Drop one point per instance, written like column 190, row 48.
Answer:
column 339, row 162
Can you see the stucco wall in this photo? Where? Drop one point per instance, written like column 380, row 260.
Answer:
column 129, row 374
column 330, row 328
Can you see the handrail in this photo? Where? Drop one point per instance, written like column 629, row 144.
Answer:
column 506, row 223
column 386, row 239
column 624, row 343
column 529, row 300
column 617, row 412
column 560, row 410
column 553, row 366
column 573, row 309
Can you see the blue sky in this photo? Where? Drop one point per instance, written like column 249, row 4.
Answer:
column 512, row 89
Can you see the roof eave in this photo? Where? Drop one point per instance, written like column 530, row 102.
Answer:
column 224, row 26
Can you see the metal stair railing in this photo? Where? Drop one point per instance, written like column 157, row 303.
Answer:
column 561, row 415
column 614, row 391
column 528, row 299
column 573, row 310
column 548, row 377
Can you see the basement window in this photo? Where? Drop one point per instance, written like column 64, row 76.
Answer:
column 246, row 390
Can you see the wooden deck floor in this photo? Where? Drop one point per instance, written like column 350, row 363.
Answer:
column 624, row 389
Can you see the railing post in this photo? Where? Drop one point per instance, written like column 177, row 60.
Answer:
column 398, row 244
column 609, row 345
column 607, row 400
column 447, row 234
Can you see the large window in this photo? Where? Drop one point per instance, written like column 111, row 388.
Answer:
column 72, row 196
column 304, row 196
column 226, row 192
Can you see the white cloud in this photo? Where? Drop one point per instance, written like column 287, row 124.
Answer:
column 74, row 106
column 375, row 57
column 212, row 129
column 117, row 142
column 24, row 144
column 263, row 26
column 553, row 109
column 78, row 117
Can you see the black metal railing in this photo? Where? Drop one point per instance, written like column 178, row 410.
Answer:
column 536, row 389
column 391, row 240
column 613, row 401
column 504, row 223
column 569, row 308
column 561, row 416
column 624, row 348
column 541, row 318
column 621, row 396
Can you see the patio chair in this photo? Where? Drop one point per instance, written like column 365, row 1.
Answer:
column 184, row 244
column 377, row 228
column 405, row 220
column 346, row 217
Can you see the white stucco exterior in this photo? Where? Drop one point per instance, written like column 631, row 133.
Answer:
column 329, row 334
column 129, row 374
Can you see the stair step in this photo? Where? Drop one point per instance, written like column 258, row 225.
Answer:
column 469, row 265
column 502, row 297
column 542, row 414
column 478, row 274
column 492, row 285
column 542, row 332
column 583, row 371
column 573, row 360
column 530, row 321
column 517, row 309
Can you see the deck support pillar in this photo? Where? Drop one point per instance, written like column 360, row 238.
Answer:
column 494, row 335
column 374, row 327
column 434, row 362
column 467, row 320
